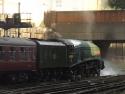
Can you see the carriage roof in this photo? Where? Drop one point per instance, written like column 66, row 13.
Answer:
column 16, row 41
column 50, row 43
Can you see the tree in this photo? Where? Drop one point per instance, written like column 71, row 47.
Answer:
column 117, row 4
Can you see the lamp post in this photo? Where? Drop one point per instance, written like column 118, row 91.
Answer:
column 18, row 23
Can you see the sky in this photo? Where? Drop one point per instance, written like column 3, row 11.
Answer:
column 26, row 6
column 38, row 7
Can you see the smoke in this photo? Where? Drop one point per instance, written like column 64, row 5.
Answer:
column 51, row 34
column 90, row 19
column 110, row 69
column 115, row 60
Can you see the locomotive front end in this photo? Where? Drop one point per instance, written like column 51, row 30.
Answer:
column 86, row 59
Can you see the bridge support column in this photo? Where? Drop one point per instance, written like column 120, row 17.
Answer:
column 103, row 45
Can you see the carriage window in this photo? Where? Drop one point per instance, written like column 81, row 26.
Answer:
column 12, row 49
column 22, row 53
column 28, row 52
column 22, row 49
column 0, row 48
column 12, row 53
column 1, row 53
column 31, row 53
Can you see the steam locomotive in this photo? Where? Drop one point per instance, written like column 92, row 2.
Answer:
column 24, row 59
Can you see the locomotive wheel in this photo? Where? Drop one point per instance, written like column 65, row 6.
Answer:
column 77, row 77
column 97, row 72
column 77, row 74
column 46, row 75
column 57, row 75
column 12, row 78
column 23, row 77
column 52, row 76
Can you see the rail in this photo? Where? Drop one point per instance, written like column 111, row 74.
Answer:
column 105, row 85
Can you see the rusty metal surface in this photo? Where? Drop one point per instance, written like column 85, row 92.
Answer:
column 88, row 25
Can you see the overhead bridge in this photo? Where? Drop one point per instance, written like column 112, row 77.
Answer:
column 102, row 27
column 88, row 25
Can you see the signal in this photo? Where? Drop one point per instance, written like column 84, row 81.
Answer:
column 16, row 18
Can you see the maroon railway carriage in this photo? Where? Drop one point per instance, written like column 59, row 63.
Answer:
column 17, row 57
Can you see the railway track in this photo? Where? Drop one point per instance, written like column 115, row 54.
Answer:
column 100, row 85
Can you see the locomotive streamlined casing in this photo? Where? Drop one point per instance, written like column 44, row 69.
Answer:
column 17, row 55
column 84, row 51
